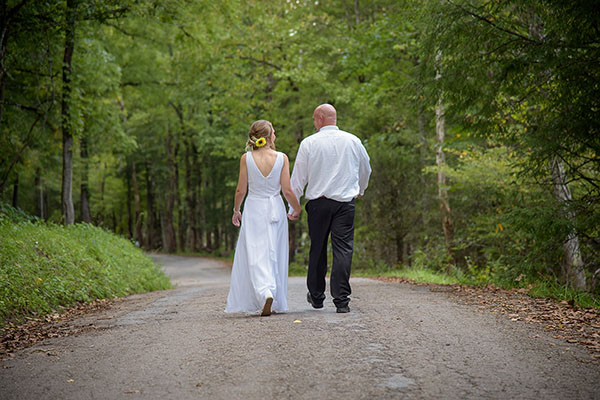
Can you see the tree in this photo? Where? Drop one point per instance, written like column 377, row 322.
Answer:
column 498, row 62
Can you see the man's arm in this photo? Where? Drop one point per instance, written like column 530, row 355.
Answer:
column 300, row 172
column 364, row 169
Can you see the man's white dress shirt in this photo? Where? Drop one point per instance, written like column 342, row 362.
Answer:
column 333, row 163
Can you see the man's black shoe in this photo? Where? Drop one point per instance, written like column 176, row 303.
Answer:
column 345, row 309
column 310, row 300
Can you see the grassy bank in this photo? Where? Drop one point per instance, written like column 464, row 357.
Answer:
column 44, row 267
column 543, row 289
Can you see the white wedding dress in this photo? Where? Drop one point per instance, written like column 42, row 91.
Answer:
column 260, row 264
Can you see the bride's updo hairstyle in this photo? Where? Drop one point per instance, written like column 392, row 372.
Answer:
column 260, row 131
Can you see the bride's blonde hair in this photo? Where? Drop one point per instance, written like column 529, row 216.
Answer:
column 259, row 129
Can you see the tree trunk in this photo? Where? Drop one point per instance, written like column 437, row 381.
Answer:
column 572, row 268
column 422, row 163
column 190, row 205
column 187, row 224
column 67, row 134
column 399, row 248
column 132, row 181
column 150, row 221
column 171, row 244
column 85, row 197
column 440, row 160
column 139, row 238
column 40, row 195
column 292, row 241
column 163, row 227
column 198, row 204
column 180, row 224
column 209, row 242
column 15, row 196
column 190, row 202
column 5, row 19
column 129, row 198
column 217, row 236
column 101, row 212
column 295, row 228
column 206, row 211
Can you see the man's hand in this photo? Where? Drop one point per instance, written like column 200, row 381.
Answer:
column 294, row 215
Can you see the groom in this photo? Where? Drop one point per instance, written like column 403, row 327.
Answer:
column 335, row 166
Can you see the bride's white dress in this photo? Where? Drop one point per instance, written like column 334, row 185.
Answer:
column 260, row 264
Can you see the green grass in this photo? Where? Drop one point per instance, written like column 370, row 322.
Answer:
column 542, row 289
column 417, row 275
column 413, row 274
column 216, row 255
column 297, row 270
column 44, row 267
column 552, row 290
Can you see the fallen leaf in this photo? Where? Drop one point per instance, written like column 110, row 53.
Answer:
column 297, row 321
column 70, row 380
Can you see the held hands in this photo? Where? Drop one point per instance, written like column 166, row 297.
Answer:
column 236, row 219
column 294, row 215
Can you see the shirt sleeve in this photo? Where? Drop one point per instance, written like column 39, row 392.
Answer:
column 300, row 172
column 364, row 169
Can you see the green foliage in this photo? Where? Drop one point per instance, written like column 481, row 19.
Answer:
column 9, row 214
column 169, row 89
column 45, row 266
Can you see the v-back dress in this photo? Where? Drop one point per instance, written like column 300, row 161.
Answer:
column 260, row 264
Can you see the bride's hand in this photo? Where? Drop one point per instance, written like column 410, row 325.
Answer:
column 294, row 215
column 236, row 219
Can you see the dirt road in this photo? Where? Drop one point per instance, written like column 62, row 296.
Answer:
column 399, row 341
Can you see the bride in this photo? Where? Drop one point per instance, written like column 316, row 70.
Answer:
column 260, row 266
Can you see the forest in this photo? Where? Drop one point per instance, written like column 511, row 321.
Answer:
column 481, row 119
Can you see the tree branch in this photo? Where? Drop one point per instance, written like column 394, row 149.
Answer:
column 106, row 15
column 123, row 31
column 11, row 13
column 131, row 83
column 186, row 33
column 21, row 106
column 278, row 68
column 490, row 21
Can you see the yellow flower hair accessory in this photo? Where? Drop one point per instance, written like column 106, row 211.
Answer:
column 261, row 142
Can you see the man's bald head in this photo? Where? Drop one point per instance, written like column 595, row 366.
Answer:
column 324, row 115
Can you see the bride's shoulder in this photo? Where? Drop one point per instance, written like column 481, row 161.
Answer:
column 284, row 157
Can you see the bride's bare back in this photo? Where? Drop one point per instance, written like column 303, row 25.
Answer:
column 264, row 160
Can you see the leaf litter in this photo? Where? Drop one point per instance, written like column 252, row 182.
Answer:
column 18, row 336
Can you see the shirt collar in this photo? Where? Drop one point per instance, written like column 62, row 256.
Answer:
column 329, row 128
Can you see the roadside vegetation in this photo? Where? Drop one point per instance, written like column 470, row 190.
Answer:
column 481, row 121
column 424, row 274
column 44, row 267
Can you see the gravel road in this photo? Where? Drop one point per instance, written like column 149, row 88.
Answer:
column 399, row 341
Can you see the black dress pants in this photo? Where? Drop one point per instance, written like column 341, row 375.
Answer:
column 325, row 217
